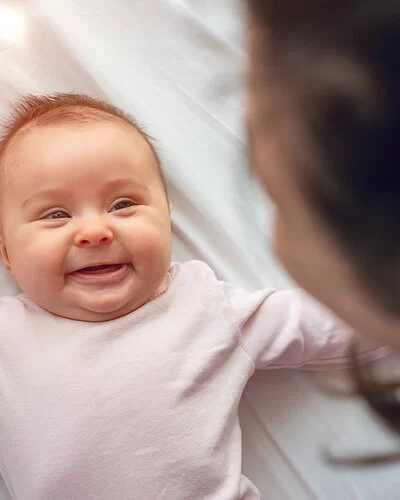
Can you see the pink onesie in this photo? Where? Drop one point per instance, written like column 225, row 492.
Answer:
column 145, row 406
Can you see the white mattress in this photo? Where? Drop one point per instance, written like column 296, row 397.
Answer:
column 177, row 66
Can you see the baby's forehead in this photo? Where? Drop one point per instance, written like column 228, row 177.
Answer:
column 63, row 127
column 22, row 138
column 63, row 135
column 50, row 151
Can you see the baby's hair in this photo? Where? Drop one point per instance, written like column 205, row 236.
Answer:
column 42, row 110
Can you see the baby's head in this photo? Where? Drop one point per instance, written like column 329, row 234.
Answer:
column 85, row 219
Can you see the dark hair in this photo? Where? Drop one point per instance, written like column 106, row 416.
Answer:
column 42, row 110
column 338, row 60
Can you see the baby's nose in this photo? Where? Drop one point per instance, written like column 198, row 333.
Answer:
column 94, row 235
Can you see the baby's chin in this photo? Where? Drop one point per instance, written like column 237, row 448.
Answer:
column 96, row 307
column 96, row 312
column 97, row 304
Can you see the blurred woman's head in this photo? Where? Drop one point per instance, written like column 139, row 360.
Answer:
column 324, row 122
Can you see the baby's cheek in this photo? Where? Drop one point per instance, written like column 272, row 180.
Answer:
column 152, row 250
column 31, row 257
column 153, row 246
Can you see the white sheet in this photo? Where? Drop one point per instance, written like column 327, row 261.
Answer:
column 170, row 63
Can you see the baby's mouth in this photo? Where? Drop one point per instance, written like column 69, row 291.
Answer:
column 103, row 274
column 104, row 269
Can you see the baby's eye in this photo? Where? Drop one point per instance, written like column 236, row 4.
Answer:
column 120, row 205
column 57, row 214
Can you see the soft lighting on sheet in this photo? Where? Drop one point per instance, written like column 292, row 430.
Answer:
column 11, row 25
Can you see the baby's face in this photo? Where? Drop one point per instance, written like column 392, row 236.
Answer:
column 85, row 220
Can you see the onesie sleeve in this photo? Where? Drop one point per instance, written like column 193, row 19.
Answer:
column 290, row 329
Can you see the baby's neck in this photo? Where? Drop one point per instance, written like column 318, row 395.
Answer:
column 163, row 287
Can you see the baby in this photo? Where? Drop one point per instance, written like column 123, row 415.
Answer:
column 121, row 373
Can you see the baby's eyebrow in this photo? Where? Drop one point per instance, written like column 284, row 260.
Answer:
column 121, row 183
column 110, row 185
column 42, row 194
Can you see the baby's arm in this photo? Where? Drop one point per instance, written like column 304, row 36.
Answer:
column 290, row 329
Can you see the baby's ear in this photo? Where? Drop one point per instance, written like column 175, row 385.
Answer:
column 4, row 256
column 171, row 207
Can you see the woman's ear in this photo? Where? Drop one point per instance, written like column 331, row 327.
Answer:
column 4, row 256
